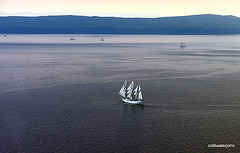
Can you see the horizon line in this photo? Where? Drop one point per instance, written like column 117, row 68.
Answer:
column 5, row 14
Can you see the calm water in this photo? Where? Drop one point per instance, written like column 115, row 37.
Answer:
column 58, row 95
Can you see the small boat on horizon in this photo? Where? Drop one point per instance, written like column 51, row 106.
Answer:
column 72, row 39
column 102, row 39
column 183, row 45
column 129, row 95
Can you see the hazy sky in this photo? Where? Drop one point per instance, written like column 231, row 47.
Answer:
column 125, row 8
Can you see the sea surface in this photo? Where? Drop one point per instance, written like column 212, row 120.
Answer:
column 58, row 95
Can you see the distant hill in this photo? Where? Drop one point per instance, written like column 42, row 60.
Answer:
column 183, row 25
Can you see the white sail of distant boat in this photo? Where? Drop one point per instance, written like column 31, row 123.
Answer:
column 129, row 95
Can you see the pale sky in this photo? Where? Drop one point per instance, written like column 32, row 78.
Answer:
column 120, row 8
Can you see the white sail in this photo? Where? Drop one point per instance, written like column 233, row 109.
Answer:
column 123, row 94
column 125, row 83
column 130, row 91
column 140, row 94
column 130, row 86
column 122, row 91
column 136, row 89
column 139, row 87
column 136, row 93
column 123, row 87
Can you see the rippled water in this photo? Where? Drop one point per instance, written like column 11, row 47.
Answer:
column 58, row 95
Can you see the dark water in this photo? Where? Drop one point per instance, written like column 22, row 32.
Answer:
column 58, row 95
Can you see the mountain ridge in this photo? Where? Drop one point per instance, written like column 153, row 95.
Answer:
column 204, row 24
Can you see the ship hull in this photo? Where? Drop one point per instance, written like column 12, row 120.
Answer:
column 132, row 101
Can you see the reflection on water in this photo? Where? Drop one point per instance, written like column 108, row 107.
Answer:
column 61, row 95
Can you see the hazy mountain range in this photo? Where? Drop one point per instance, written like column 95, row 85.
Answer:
column 187, row 25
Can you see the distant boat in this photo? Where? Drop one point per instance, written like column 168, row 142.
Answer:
column 72, row 39
column 5, row 35
column 183, row 45
column 129, row 95
column 102, row 39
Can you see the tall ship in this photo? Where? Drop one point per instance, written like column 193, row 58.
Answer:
column 131, row 95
